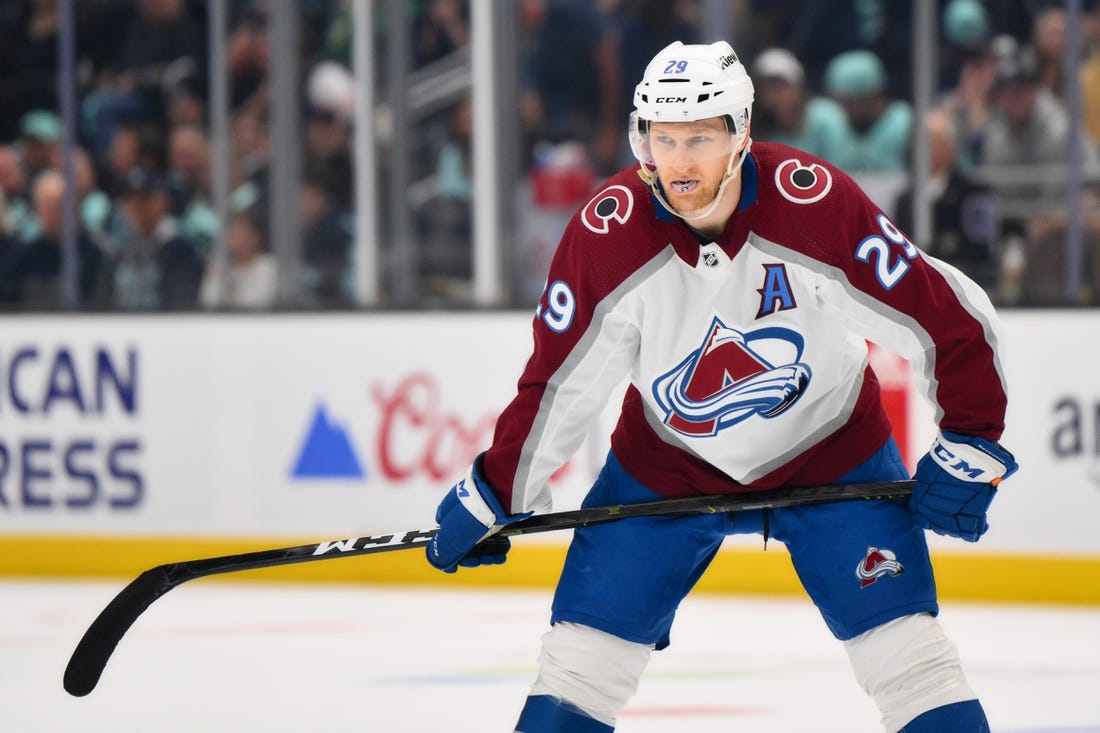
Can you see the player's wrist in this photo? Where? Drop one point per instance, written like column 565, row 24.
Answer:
column 477, row 497
column 481, row 500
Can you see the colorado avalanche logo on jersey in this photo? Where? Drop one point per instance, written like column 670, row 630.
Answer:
column 802, row 184
column 614, row 203
column 728, row 379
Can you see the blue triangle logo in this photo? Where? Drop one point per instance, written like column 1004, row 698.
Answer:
column 327, row 451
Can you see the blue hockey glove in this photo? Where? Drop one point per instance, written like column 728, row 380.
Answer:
column 469, row 515
column 956, row 482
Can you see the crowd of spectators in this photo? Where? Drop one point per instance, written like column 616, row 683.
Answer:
column 999, row 137
column 834, row 79
column 146, row 224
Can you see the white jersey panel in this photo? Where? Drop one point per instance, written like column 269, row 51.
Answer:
column 693, row 313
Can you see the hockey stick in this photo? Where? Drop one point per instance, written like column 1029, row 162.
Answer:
column 99, row 641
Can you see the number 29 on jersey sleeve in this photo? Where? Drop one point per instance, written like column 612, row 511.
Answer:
column 557, row 306
column 876, row 250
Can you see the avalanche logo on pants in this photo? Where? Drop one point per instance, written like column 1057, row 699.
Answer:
column 876, row 564
column 728, row 380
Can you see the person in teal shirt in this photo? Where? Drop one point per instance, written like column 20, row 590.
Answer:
column 876, row 137
column 787, row 113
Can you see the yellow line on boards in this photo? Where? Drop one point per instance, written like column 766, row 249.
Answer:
column 993, row 577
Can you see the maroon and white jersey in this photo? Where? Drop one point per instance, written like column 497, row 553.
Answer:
column 747, row 356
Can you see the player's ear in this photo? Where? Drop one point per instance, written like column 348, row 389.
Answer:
column 744, row 143
column 638, row 135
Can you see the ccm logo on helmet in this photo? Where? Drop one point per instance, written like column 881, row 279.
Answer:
column 802, row 184
column 671, row 100
column 613, row 203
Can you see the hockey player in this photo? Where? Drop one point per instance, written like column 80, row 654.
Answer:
column 736, row 286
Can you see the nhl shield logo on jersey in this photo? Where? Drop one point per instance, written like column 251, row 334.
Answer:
column 728, row 379
column 802, row 184
column 876, row 564
column 614, row 203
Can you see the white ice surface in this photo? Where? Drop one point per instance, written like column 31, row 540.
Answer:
column 216, row 656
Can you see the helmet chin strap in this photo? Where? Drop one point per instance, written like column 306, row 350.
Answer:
column 737, row 158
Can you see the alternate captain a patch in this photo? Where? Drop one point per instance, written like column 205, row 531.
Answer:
column 776, row 295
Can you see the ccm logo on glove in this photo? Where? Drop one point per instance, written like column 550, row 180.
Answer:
column 956, row 483
column 980, row 467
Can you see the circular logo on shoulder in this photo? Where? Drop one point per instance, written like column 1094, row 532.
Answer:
column 614, row 203
column 802, row 184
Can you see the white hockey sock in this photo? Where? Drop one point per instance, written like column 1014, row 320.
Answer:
column 590, row 669
column 909, row 667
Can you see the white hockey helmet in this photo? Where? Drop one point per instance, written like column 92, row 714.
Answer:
column 684, row 83
column 687, row 84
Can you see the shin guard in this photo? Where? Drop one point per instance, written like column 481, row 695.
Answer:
column 910, row 668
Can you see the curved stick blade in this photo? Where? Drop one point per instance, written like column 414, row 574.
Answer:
column 99, row 641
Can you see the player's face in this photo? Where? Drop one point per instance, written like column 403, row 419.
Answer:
column 691, row 160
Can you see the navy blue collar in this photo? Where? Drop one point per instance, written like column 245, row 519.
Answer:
column 750, row 186
column 662, row 213
column 750, row 183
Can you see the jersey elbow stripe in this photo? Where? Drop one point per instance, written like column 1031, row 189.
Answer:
column 536, row 464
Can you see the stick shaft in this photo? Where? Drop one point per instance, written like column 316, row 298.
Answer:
column 99, row 641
